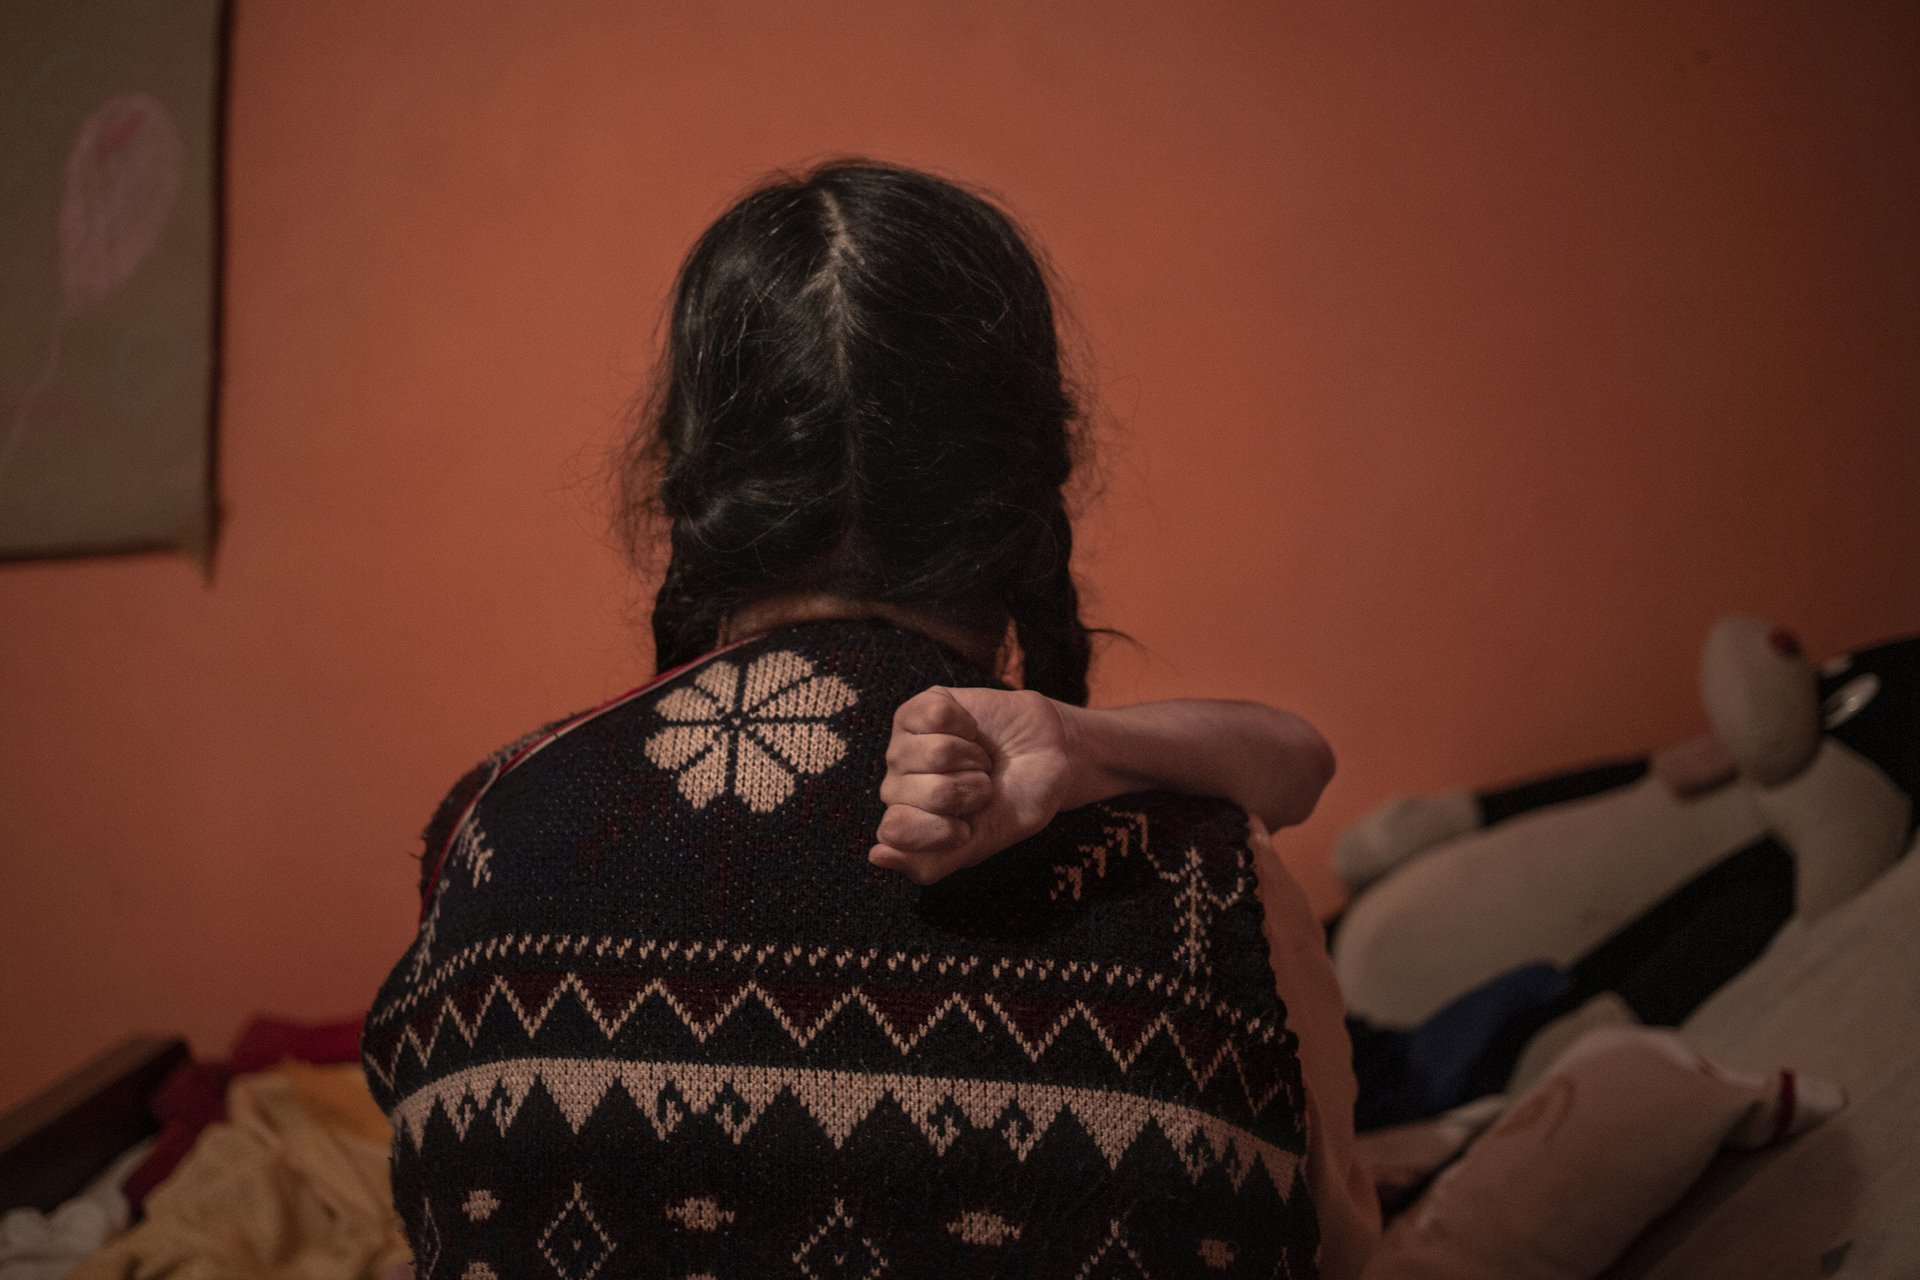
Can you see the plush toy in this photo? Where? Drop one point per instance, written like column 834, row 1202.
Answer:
column 1654, row 879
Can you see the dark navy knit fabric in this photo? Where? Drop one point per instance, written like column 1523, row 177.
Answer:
column 663, row 1019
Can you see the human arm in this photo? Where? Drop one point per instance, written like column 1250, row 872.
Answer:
column 972, row 771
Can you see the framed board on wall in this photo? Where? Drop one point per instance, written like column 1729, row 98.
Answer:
column 108, row 274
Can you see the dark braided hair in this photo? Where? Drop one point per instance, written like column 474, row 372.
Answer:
column 862, row 395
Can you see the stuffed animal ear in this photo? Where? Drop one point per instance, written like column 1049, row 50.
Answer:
column 1761, row 697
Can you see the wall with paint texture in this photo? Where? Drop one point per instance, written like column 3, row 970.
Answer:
column 1455, row 366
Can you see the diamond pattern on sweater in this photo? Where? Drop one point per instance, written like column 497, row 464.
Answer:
column 574, row 1244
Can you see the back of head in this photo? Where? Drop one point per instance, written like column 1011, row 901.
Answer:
column 862, row 396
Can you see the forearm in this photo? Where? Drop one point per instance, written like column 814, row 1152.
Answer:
column 1269, row 762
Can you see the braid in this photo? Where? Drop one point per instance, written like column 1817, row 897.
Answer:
column 686, row 621
column 1055, row 648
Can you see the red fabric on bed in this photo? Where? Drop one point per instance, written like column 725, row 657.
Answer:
column 195, row 1094
column 265, row 1042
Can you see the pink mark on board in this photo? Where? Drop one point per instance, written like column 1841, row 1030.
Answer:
column 123, row 176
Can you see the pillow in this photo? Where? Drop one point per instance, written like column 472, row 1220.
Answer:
column 1403, row 1158
column 1608, row 1139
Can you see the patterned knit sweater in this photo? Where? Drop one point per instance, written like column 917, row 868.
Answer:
column 663, row 1019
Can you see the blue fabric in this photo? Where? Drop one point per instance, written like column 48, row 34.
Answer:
column 1460, row 1053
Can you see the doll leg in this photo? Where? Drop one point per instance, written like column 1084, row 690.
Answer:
column 1667, row 961
column 1551, row 884
column 1405, row 827
column 1655, row 970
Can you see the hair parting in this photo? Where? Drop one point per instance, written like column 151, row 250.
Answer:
column 861, row 394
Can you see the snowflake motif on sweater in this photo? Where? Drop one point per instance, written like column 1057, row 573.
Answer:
column 751, row 732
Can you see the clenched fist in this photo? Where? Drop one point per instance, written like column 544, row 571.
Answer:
column 969, row 772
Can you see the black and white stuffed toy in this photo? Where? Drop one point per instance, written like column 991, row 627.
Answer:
column 1653, row 880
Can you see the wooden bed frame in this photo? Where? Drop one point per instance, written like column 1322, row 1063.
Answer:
column 57, row 1141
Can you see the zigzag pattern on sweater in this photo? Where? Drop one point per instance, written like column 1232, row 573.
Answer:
column 736, row 1096
column 816, row 959
column 904, row 1015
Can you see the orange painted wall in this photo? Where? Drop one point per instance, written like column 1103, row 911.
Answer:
column 1457, row 365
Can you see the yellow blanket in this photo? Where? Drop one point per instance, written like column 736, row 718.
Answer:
column 292, row 1187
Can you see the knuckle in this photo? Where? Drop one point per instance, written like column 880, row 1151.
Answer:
column 892, row 827
column 950, row 755
column 949, row 833
column 948, row 712
column 967, row 790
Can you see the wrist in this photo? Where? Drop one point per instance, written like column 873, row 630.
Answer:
column 1088, row 775
column 1071, row 789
